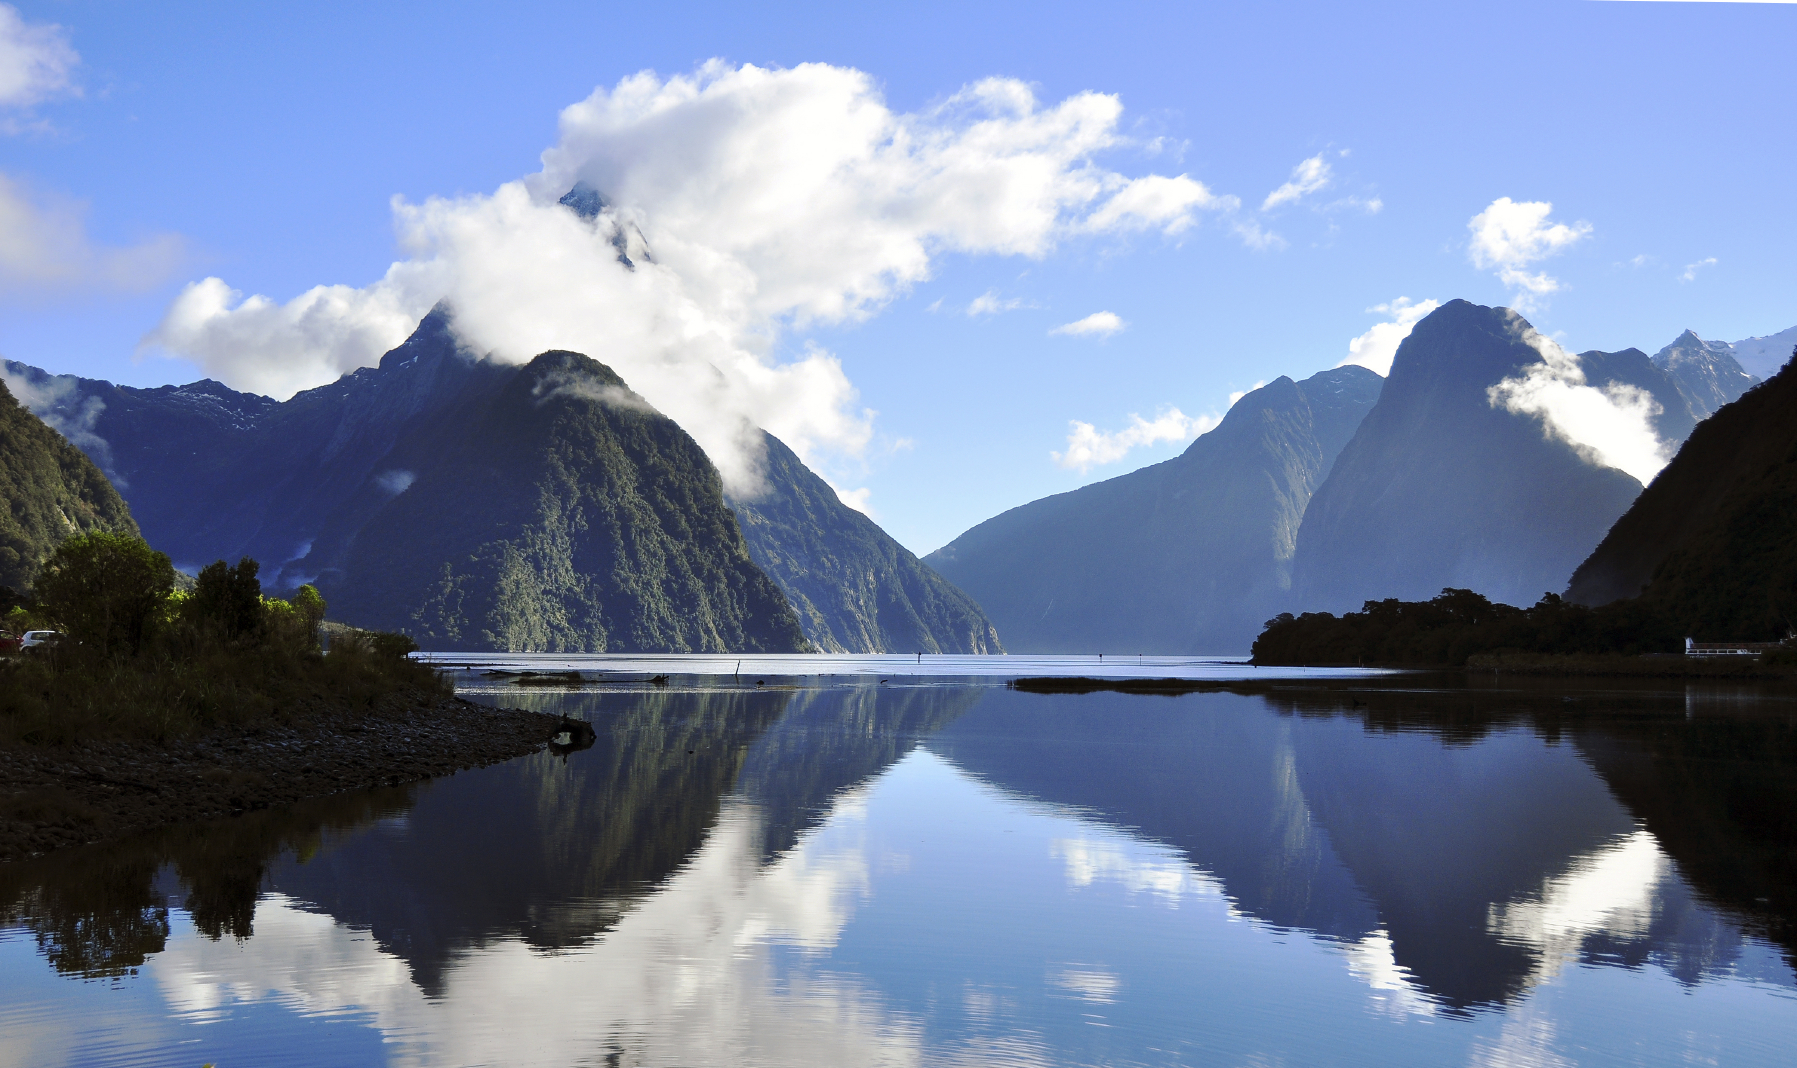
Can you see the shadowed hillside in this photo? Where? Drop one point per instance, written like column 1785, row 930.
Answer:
column 856, row 590
column 1185, row 556
column 1440, row 488
column 1710, row 541
column 50, row 491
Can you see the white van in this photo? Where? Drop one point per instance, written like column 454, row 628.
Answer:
column 35, row 638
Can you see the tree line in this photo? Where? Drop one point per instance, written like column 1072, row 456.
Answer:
column 141, row 656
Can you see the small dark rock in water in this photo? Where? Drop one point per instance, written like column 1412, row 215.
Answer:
column 660, row 680
column 571, row 736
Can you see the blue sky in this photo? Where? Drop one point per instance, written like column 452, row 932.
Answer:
column 265, row 148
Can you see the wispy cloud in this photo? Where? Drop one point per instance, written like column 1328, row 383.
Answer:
column 1513, row 235
column 37, row 63
column 1257, row 237
column 1375, row 348
column 990, row 303
column 1691, row 269
column 44, row 245
column 1612, row 426
column 1098, row 324
column 1089, row 447
column 1307, row 177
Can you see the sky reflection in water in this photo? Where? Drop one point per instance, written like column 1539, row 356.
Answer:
column 873, row 875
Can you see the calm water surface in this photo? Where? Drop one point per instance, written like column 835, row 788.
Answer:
column 940, row 871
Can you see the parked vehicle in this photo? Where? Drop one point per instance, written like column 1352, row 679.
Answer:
column 9, row 644
column 39, row 639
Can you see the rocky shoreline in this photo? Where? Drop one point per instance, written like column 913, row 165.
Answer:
column 55, row 797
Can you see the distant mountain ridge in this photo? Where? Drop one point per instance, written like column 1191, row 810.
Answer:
column 219, row 474
column 1184, row 556
column 1710, row 543
column 855, row 589
column 1441, row 488
column 1706, row 373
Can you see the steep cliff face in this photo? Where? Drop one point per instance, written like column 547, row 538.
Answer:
column 49, row 490
column 1185, row 556
column 560, row 513
column 1710, row 541
column 855, row 589
column 1441, row 488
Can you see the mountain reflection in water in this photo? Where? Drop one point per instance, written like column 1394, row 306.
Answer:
column 966, row 874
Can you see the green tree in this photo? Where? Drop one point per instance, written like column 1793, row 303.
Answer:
column 309, row 603
column 105, row 589
column 228, row 600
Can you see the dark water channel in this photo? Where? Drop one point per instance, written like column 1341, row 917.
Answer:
column 1372, row 872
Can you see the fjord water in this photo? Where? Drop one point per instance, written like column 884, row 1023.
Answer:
column 926, row 870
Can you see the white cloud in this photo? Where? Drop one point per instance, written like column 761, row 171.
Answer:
column 1307, row 177
column 771, row 199
column 1157, row 203
column 990, row 303
column 1098, row 324
column 1612, row 426
column 44, row 245
column 36, row 62
column 855, row 498
column 1511, row 236
column 1375, row 348
column 1691, row 269
column 1256, row 238
column 1089, row 447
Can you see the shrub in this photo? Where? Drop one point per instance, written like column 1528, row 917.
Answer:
column 105, row 589
column 228, row 600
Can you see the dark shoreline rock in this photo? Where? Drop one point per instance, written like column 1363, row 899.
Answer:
column 55, row 797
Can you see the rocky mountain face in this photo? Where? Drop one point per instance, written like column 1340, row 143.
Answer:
column 559, row 513
column 50, row 489
column 1441, row 488
column 1709, row 542
column 856, row 590
column 1705, row 373
column 300, row 485
column 1185, row 556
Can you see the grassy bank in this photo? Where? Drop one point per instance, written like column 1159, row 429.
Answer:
column 141, row 660
column 78, row 695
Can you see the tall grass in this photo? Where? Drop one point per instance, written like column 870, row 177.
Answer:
column 186, row 680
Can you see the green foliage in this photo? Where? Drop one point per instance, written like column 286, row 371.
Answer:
column 1458, row 624
column 51, row 490
column 228, row 600
column 855, row 588
column 150, row 662
column 309, row 603
column 584, row 521
column 105, row 589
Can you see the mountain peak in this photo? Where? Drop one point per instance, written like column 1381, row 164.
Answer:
column 584, row 200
